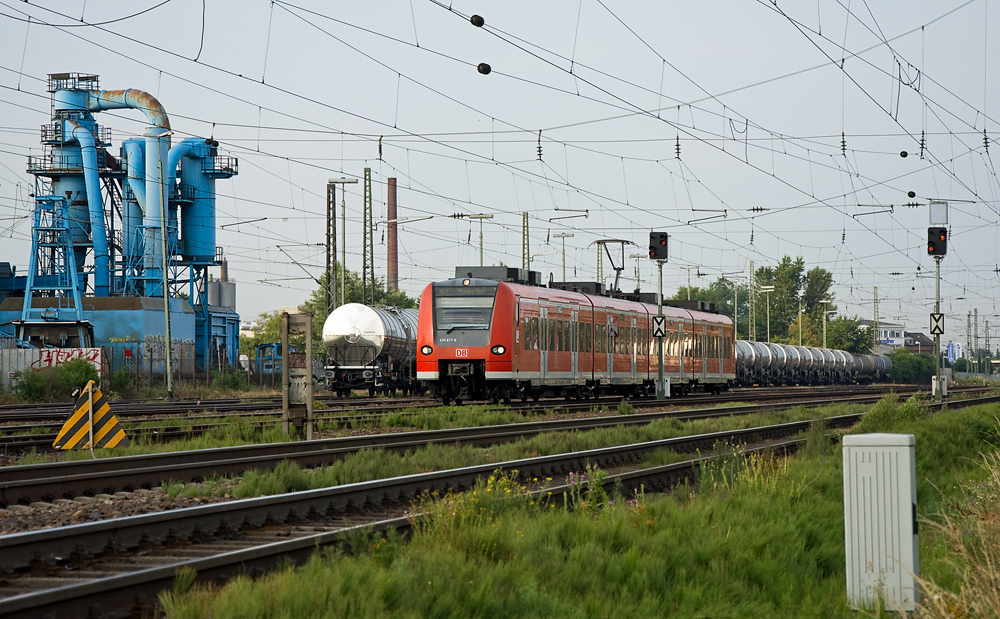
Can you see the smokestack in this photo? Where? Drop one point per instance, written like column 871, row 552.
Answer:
column 224, row 271
column 392, row 279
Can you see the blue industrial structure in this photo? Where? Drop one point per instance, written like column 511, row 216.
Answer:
column 108, row 233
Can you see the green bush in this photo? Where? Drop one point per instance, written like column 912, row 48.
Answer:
column 123, row 384
column 888, row 413
column 55, row 383
column 910, row 368
column 230, row 380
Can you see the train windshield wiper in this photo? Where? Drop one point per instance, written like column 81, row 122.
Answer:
column 479, row 327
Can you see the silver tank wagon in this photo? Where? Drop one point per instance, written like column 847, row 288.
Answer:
column 370, row 348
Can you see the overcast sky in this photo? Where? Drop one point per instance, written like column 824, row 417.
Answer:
column 789, row 120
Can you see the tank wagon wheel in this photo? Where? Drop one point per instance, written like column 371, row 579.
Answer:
column 536, row 396
column 505, row 394
column 458, row 401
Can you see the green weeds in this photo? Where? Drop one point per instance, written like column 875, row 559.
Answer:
column 761, row 536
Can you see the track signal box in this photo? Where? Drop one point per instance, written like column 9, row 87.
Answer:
column 658, row 245
column 937, row 241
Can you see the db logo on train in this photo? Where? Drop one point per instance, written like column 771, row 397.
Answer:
column 461, row 352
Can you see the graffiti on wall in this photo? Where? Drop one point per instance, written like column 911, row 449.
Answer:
column 21, row 359
column 51, row 357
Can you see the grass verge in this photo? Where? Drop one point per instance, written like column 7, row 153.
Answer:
column 756, row 537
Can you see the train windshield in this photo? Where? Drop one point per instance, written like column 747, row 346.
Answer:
column 458, row 309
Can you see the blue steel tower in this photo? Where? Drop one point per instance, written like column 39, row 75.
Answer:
column 97, row 261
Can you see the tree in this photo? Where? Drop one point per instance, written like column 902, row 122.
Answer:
column 817, row 288
column 960, row 365
column 354, row 293
column 849, row 334
column 721, row 293
column 812, row 333
column 268, row 331
column 790, row 280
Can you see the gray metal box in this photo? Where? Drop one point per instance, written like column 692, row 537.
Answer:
column 880, row 521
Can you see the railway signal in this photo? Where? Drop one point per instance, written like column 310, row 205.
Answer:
column 658, row 245
column 937, row 241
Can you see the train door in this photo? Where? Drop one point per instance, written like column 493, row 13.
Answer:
column 703, row 353
column 544, row 348
column 515, row 355
column 681, row 350
column 633, row 345
column 574, row 348
column 612, row 341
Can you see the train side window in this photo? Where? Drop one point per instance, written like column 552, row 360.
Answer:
column 588, row 333
column 552, row 334
column 534, row 334
column 559, row 335
column 527, row 333
column 574, row 345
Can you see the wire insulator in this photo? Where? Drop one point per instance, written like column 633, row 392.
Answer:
column 539, row 144
column 923, row 143
column 677, row 149
column 986, row 141
column 843, row 144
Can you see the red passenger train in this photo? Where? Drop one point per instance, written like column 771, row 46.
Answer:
column 480, row 339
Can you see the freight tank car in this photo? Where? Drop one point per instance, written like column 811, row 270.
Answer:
column 759, row 363
column 497, row 340
column 370, row 348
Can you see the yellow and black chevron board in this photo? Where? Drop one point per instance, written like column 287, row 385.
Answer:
column 75, row 434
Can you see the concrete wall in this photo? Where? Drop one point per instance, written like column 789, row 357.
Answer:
column 19, row 359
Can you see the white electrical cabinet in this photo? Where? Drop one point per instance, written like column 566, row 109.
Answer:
column 880, row 521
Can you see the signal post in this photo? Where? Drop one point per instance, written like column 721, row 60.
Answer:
column 658, row 252
column 937, row 247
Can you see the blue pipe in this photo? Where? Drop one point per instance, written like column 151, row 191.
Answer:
column 98, row 231
column 136, row 175
column 156, row 155
column 132, row 216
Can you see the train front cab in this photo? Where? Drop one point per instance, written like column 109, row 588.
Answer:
column 464, row 337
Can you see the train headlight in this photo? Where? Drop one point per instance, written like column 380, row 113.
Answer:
column 498, row 349
column 426, row 350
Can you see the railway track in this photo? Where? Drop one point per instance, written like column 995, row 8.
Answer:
column 28, row 483
column 22, row 438
column 65, row 571
column 115, row 568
